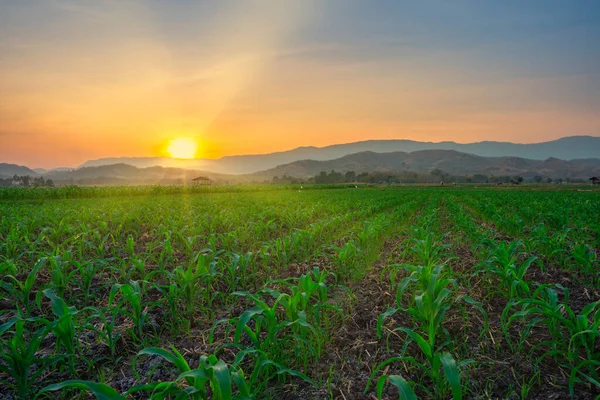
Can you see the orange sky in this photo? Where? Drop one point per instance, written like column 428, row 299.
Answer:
column 84, row 80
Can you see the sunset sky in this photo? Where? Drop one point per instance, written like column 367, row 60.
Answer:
column 86, row 79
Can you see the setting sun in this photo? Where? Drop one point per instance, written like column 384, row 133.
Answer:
column 182, row 148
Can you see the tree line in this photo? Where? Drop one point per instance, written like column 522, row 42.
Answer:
column 26, row 181
column 410, row 177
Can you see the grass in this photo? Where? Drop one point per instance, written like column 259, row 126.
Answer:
column 251, row 292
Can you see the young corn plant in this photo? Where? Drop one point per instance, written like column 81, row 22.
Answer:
column 20, row 354
column 194, row 383
column 86, row 272
column 271, row 333
column 308, row 301
column 261, row 372
column 587, row 261
column 23, row 291
column 435, row 295
column 59, row 277
column 575, row 337
column 106, row 328
column 347, row 259
column 430, row 307
column 279, row 322
column 132, row 296
column 236, row 273
column 504, row 263
column 194, row 282
column 224, row 381
column 64, row 327
column 428, row 248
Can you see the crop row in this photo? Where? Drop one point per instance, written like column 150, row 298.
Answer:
column 109, row 295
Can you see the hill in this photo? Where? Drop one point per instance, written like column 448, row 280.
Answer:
column 125, row 174
column 568, row 148
column 449, row 161
column 10, row 170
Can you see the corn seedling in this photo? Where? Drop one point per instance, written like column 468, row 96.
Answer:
column 21, row 361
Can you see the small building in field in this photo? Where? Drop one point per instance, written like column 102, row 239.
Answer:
column 201, row 181
column 595, row 180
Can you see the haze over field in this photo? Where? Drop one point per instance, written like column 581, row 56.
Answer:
column 84, row 80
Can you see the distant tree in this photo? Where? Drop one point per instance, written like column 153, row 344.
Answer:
column 520, row 179
column 437, row 173
column 350, row 176
column 549, row 180
column 479, row 178
column 336, row 177
column 39, row 181
column 537, row 179
column 26, row 179
column 363, row 177
column 321, row 178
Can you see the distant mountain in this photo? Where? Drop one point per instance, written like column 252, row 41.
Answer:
column 449, row 161
column 568, row 148
column 127, row 174
column 145, row 162
column 10, row 170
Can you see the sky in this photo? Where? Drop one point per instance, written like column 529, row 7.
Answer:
column 86, row 79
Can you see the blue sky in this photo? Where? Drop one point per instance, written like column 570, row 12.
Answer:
column 110, row 78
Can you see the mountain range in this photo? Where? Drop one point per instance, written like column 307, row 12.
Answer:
column 115, row 174
column 449, row 161
column 581, row 160
column 568, row 148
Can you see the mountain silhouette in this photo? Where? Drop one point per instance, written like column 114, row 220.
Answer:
column 568, row 148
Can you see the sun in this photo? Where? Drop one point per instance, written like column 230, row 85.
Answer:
column 182, row 148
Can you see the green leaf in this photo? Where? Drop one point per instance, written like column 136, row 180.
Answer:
column 33, row 274
column 425, row 347
column 240, row 382
column 221, row 383
column 244, row 319
column 175, row 359
column 390, row 311
column 406, row 391
column 100, row 390
column 8, row 325
column 452, row 375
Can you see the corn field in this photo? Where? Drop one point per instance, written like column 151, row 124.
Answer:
column 299, row 293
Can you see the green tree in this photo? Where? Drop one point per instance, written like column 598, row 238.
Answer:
column 350, row 176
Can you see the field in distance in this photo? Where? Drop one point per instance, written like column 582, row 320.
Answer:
column 310, row 292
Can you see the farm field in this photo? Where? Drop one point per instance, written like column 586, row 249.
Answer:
column 300, row 293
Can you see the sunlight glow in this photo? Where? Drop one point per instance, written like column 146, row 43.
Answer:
column 182, row 148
